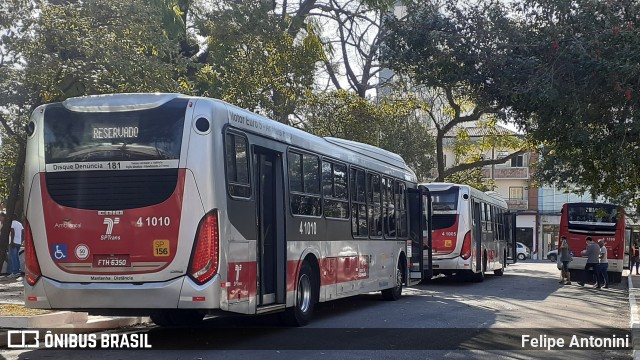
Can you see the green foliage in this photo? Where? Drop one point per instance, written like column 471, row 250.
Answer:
column 455, row 53
column 473, row 178
column 254, row 61
column 579, row 93
column 389, row 123
column 102, row 46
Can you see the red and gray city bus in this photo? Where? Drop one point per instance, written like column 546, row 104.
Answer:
column 601, row 222
column 177, row 207
column 472, row 231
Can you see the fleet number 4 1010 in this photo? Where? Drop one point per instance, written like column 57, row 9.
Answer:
column 153, row 221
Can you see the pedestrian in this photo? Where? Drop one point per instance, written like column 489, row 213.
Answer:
column 603, row 266
column 592, row 252
column 565, row 258
column 635, row 258
column 15, row 242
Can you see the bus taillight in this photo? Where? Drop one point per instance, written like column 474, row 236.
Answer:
column 204, row 259
column 32, row 268
column 465, row 253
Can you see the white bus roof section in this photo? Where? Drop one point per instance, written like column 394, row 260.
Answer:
column 118, row 102
column 369, row 150
column 489, row 196
column 353, row 152
column 349, row 151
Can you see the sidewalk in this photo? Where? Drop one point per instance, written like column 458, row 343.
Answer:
column 21, row 318
column 634, row 311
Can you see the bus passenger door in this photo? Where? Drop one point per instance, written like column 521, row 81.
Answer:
column 510, row 233
column 271, row 250
column 477, row 233
column 419, row 249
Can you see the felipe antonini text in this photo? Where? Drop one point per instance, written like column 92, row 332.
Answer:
column 575, row 342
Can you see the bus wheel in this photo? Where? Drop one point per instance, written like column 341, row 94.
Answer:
column 306, row 295
column 479, row 276
column 395, row 292
column 176, row 317
column 500, row 271
column 615, row 277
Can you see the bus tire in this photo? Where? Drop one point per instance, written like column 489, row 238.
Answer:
column 395, row 292
column 176, row 317
column 479, row 276
column 500, row 272
column 615, row 277
column 306, row 296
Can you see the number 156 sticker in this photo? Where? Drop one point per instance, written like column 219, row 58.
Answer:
column 160, row 247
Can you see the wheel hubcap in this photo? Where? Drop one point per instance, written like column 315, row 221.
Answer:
column 304, row 293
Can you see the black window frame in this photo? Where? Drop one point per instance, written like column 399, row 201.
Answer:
column 372, row 206
column 304, row 193
column 329, row 191
column 402, row 219
column 388, row 208
column 233, row 184
column 358, row 204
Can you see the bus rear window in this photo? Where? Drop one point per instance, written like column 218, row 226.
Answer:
column 445, row 199
column 150, row 134
column 443, row 221
column 603, row 215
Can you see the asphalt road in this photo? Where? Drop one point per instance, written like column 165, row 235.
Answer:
column 444, row 318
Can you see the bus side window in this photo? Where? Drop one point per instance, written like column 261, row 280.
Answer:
column 388, row 208
column 238, row 182
column 374, row 204
column 304, row 184
column 335, row 192
column 359, row 225
column 401, row 210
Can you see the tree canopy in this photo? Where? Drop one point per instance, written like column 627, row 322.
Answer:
column 389, row 123
column 451, row 53
column 581, row 93
column 565, row 71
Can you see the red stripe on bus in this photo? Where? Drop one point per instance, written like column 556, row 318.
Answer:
column 444, row 240
column 141, row 240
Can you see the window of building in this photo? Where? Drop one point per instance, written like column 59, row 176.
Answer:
column 238, row 182
column 516, row 193
column 517, row 161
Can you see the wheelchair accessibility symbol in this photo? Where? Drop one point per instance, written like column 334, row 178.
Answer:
column 59, row 252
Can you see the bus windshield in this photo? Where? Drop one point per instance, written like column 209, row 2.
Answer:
column 593, row 215
column 151, row 134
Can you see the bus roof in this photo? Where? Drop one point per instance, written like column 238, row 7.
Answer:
column 345, row 150
column 490, row 196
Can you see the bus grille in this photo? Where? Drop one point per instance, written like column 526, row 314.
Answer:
column 111, row 190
